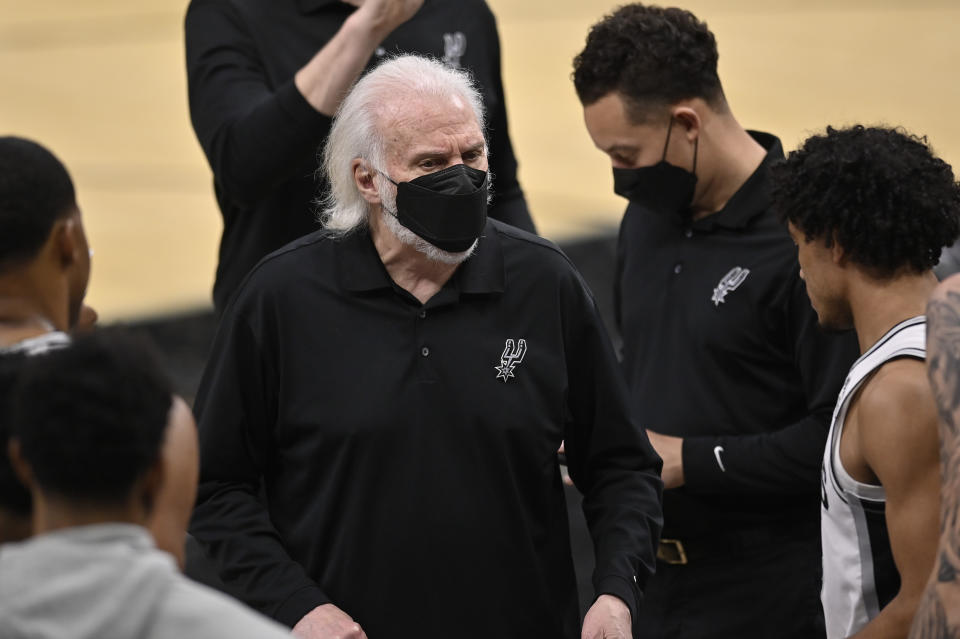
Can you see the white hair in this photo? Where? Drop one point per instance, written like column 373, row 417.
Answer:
column 354, row 133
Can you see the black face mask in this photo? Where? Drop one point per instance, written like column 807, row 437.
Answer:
column 447, row 208
column 663, row 187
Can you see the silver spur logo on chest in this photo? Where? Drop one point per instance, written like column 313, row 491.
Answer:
column 512, row 356
column 730, row 282
column 454, row 46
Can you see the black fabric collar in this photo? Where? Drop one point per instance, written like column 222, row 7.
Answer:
column 484, row 272
column 359, row 267
column 751, row 199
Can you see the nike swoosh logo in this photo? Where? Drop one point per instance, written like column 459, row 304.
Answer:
column 716, row 453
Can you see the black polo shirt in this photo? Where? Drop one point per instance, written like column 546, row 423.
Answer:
column 262, row 137
column 721, row 347
column 408, row 451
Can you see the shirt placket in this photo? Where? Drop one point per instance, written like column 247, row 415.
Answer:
column 426, row 345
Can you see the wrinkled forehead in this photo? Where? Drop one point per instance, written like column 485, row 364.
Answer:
column 409, row 117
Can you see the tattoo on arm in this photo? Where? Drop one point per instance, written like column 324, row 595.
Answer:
column 931, row 619
column 938, row 616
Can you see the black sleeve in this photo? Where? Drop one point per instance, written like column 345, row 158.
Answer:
column 509, row 204
column 610, row 458
column 255, row 136
column 235, row 408
column 788, row 459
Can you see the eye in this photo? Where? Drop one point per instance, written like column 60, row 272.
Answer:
column 429, row 163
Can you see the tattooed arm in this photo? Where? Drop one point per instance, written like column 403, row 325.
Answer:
column 938, row 616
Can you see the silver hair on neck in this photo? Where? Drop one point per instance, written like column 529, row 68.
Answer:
column 354, row 132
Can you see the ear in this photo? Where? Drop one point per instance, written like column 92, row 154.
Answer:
column 688, row 119
column 837, row 254
column 151, row 483
column 21, row 467
column 363, row 177
column 67, row 241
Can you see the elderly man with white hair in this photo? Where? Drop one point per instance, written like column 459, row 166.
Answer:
column 380, row 415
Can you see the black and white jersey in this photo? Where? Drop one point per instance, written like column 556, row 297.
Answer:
column 38, row 345
column 859, row 575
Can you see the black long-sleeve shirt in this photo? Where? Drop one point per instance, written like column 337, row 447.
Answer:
column 262, row 138
column 721, row 347
column 407, row 451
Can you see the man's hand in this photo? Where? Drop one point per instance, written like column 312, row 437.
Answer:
column 670, row 450
column 608, row 618
column 328, row 622
column 325, row 80
column 386, row 15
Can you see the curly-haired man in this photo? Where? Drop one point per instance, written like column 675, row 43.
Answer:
column 727, row 368
column 870, row 209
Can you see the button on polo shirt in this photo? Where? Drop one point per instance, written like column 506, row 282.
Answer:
column 408, row 450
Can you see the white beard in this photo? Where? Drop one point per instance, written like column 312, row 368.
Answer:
column 388, row 203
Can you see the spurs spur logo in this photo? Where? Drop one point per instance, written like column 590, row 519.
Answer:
column 454, row 46
column 512, row 356
column 730, row 282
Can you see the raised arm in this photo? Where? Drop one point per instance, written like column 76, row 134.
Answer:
column 938, row 616
column 324, row 80
column 255, row 134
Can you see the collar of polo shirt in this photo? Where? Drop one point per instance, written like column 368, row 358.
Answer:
column 359, row 267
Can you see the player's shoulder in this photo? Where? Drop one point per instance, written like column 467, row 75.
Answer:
column 896, row 390
column 897, row 421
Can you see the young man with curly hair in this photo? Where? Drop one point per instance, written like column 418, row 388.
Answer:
column 870, row 209
column 727, row 368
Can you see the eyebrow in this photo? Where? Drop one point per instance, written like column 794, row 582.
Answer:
column 429, row 153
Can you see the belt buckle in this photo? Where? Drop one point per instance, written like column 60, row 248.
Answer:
column 671, row 551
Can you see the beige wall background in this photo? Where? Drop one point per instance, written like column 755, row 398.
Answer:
column 102, row 83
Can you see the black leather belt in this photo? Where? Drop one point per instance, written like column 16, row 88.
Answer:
column 682, row 551
column 672, row 551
